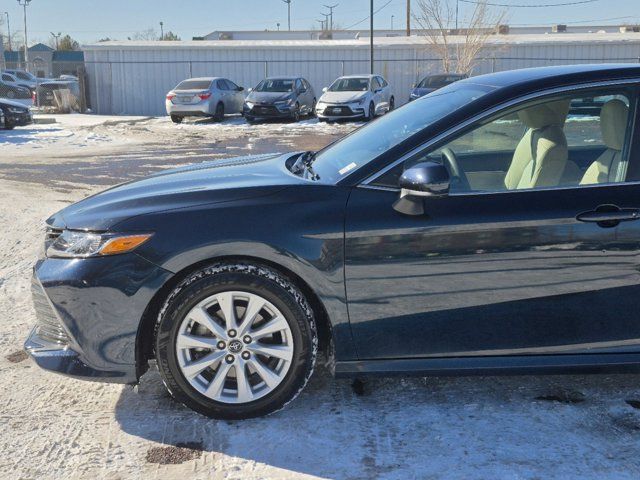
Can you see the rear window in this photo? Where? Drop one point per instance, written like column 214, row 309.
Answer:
column 194, row 85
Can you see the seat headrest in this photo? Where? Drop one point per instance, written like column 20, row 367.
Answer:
column 613, row 123
column 546, row 114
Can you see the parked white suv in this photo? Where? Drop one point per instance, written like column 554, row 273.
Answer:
column 355, row 97
column 204, row 97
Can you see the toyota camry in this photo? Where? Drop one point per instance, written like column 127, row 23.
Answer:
column 488, row 227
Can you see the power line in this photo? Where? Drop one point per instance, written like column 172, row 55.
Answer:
column 516, row 5
column 367, row 17
column 575, row 22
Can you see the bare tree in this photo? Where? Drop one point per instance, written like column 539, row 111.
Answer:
column 436, row 17
column 148, row 34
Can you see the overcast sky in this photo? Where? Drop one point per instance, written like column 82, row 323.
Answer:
column 89, row 20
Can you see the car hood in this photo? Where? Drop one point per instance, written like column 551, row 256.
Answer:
column 268, row 97
column 342, row 97
column 205, row 183
column 11, row 103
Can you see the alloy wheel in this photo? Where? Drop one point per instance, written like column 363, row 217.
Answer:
column 234, row 347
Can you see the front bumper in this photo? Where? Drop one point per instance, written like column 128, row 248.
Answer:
column 18, row 119
column 265, row 112
column 340, row 112
column 88, row 315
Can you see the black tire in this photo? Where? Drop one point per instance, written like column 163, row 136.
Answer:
column 371, row 114
column 322, row 120
column 219, row 115
column 11, row 94
column 313, row 108
column 9, row 126
column 176, row 119
column 253, row 279
column 296, row 113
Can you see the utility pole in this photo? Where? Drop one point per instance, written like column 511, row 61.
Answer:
column 8, row 31
column 326, row 20
column 321, row 24
column 331, row 7
column 161, row 30
column 408, row 18
column 457, row 9
column 56, row 37
column 25, row 4
column 392, row 22
column 371, row 36
column 288, row 2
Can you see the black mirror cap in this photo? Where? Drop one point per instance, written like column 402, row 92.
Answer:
column 425, row 179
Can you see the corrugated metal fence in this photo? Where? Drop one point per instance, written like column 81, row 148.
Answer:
column 134, row 81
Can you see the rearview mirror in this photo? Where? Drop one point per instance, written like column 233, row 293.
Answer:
column 425, row 179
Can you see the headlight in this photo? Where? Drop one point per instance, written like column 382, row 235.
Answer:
column 280, row 103
column 360, row 101
column 249, row 105
column 74, row 244
column 17, row 110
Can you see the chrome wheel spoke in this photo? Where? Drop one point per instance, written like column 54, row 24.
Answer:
column 225, row 301
column 193, row 369
column 244, row 387
column 214, row 390
column 285, row 352
column 186, row 340
column 200, row 315
column 274, row 325
column 239, row 355
column 270, row 378
column 253, row 308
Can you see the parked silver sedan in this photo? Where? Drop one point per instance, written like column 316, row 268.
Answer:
column 204, row 97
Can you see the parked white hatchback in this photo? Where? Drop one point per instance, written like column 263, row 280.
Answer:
column 204, row 97
column 355, row 97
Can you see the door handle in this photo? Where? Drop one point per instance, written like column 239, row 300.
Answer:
column 609, row 215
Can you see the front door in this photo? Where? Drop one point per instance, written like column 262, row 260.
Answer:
column 493, row 269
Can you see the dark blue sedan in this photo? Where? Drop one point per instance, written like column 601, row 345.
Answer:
column 489, row 227
column 431, row 83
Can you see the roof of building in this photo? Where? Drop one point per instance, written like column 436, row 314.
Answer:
column 631, row 37
column 40, row 47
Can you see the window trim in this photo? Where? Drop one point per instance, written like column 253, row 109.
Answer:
column 366, row 183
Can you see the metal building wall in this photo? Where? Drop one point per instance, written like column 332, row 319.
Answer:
column 133, row 80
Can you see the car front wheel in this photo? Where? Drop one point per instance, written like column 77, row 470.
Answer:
column 236, row 341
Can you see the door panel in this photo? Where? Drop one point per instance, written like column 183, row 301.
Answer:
column 492, row 274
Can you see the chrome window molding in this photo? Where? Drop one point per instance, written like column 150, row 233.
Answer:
column 486, row 114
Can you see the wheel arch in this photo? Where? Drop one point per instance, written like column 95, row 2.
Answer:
column 146, row 329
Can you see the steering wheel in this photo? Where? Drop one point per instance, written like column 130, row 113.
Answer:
column 458, row 177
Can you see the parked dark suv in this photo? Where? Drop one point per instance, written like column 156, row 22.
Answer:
column 487, row 229
column 14, row 114
column 431, row 83
column 280, row 97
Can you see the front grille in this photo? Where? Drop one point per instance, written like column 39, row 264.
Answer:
column 264, row 110
column 48, row 326
column 50, row 236
column 338, row 111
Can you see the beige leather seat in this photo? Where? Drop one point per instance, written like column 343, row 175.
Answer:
column 541, row 156
column 613, row 123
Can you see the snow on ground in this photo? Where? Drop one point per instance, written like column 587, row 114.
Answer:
column 526, row 427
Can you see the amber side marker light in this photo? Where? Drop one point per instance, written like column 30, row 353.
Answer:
column 124, row 244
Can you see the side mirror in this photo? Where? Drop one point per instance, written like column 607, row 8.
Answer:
column 240, row 89
column 414, row 85
column 325, row 90
column 250, row 90
column 378, row 90
column 426, row 179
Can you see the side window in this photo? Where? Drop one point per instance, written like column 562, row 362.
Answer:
column 375, row 85
column 222, row 85
column 383, row 83
column 231, row 85
column 7, row 78
column 306, row 84
column 299, row 86
column 575, row 140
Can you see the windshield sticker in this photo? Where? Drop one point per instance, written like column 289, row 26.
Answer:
column 348, row 168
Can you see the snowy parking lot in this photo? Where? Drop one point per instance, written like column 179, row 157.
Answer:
column 520, row 427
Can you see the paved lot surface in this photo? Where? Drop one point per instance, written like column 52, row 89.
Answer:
column 529, row 427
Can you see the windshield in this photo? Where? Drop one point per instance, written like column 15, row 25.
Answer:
column 194, row 85
column 367, row 143
column 434, row 82
column 278, row 85
column 350, row 85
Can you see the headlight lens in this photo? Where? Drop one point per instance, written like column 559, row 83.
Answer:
column 249, row 105
column 17, row 110
column 75, row 244
column 360, row 101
